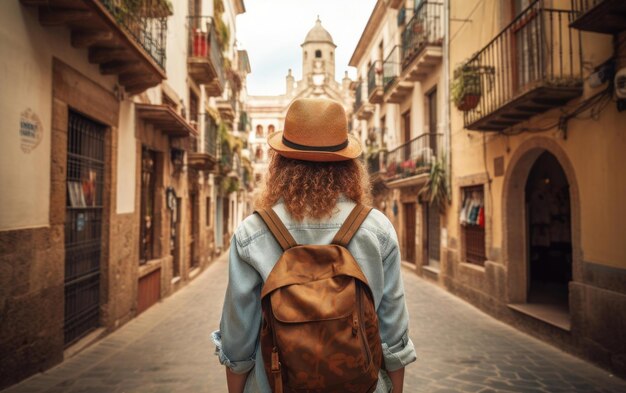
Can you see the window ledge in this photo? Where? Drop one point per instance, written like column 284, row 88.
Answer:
column 472, row 266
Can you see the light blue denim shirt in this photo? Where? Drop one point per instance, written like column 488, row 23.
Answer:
column 253, row 253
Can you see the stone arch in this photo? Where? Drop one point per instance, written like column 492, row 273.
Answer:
column 514, row 214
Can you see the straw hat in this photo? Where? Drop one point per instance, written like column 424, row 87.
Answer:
column 316, row 129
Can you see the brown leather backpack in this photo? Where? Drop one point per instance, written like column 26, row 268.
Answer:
column 320, row 329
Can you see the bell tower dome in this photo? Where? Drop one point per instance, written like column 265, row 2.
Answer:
column 318, row 55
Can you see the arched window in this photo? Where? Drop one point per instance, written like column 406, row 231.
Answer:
column 270, row 129
column 259, row 131
column 258, row 154
column 305, row 55
column 318, row 54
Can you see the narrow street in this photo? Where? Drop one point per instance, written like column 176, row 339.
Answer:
column 460, row 349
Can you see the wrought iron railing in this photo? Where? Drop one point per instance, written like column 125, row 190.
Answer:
column 358, row 95
column 210, row 135
column 582, row 6
column 424, row 28
column 537, row 49
column 375, row 76
column 391, row 67
column 376, row 162
column 203, row 43
column 145, row 22
column 413, row 157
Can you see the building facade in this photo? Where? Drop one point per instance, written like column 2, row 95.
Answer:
column 528, row 99
column 536, row 219
column 400, row 113
column 118, row 133
column 267, row 113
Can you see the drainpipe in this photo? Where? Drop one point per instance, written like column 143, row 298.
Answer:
column 446, row 88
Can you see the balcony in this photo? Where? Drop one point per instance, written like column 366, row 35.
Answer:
column 166, row 119
column 125, row 38
column 600, row 16
column 532, row 66
column 396, row 90
column 204, row 156
column 409, row 163
column 363, row 110
column 422, row 40
column 375, row 82
column 205, row 61
column 376, row 164
column 227, row 107
column 419, row 53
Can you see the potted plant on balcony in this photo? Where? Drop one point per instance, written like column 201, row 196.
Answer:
column 435, row 190
column 466, row 89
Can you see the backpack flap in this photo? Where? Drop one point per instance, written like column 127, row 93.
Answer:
column 326, row 299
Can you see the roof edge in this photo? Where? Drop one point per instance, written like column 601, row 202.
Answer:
column 370, row 28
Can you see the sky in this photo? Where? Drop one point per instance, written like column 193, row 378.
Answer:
column 272, row 31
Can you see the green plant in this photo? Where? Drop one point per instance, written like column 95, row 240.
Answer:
column 223, row 31
column 435, row 190
column 466, row 89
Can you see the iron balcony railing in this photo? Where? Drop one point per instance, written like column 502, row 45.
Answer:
column 203, row 43
column 146, row 23
column 358, row 95
column 375, row 76
column 538, row 48
column 375, row 162
column 583, row 6
column 210, row 135
column 413, row 157
column 425, row 28
column 391, row 67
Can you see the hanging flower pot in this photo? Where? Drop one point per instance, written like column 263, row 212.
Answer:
column 468, row 102
column 466, row 89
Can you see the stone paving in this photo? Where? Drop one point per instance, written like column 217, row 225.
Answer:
column 460, row 349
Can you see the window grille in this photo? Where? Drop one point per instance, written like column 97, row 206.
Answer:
column 83, row 226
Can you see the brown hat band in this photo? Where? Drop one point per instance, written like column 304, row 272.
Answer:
column 298, row 146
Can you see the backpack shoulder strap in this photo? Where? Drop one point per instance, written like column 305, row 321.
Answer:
column 277, row 228
column 351, row 225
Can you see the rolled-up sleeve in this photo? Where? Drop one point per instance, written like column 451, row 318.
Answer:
column 236, row 341
column 398, row 349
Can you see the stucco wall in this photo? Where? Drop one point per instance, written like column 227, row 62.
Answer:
column 26, row 57
column 593, row 147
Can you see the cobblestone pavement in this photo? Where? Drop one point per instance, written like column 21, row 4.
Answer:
column 460, row 349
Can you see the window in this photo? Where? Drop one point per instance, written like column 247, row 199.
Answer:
column 193, row 109
column 148, row 188
column 472, row 220
column 431, row 99
column 270, row 129
column 318, row 54
column 259, row 131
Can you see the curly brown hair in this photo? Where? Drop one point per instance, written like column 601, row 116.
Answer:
column 311, row 189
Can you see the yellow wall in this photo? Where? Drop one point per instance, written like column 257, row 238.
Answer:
column 596, row 149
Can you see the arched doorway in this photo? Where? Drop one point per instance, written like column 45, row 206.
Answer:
column 533, row 159
column 549, row 236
